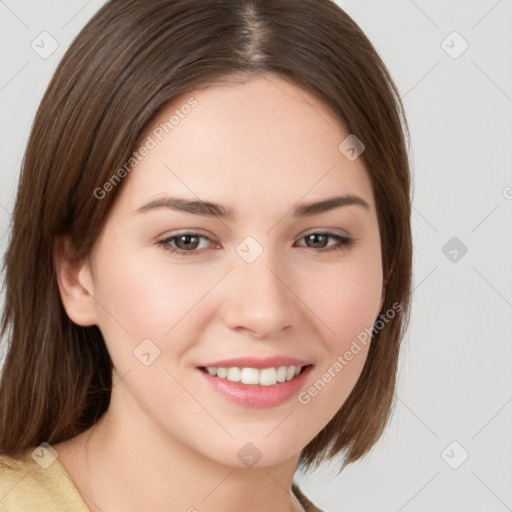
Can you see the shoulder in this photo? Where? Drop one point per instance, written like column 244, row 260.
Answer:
column 35, row 481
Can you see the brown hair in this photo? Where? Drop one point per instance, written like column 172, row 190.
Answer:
column 131, row 60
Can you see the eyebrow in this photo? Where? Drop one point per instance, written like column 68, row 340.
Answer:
column 210, row 209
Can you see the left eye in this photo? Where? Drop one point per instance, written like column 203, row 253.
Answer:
column 320, row 241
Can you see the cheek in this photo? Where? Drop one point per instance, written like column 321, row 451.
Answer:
column 142, row 298
column 347, row 303
column 346, row 298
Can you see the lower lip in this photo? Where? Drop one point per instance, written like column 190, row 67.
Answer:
column 256, row 396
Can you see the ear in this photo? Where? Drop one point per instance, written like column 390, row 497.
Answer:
column 76, row 286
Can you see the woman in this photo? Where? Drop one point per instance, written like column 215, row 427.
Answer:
column 209, row 270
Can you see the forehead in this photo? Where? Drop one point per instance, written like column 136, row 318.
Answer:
column 264, row 141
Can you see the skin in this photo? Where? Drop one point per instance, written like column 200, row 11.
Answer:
column 168, row 439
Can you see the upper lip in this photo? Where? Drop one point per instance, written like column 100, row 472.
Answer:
column 259, row 363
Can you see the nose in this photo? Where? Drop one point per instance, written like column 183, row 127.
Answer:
column 259, row 300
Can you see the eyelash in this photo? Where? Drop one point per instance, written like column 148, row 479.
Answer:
column 342, row 242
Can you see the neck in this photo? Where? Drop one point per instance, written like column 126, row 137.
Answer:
column 132, row 465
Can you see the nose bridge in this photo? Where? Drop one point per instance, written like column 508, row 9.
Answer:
column 263, row 277
column 258, row 299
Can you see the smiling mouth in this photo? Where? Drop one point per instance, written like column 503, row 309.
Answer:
column 256, row 376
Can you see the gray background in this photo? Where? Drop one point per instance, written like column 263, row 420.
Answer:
column 455, row 374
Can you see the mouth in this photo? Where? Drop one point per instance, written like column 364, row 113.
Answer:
column 255, row 376
column 254, row 383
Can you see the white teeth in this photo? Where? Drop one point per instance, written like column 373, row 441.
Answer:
column 281, row 373
column 249, row 376
column 268, row 377
column 233, row 374
column 263, row 377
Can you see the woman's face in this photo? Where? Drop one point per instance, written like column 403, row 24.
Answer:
column 229, row 247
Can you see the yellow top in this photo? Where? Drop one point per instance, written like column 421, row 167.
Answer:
column 37, row 482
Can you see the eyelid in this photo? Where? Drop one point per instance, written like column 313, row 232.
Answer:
column 327, row 231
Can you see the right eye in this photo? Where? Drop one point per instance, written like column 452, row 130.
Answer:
column 184, row 243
